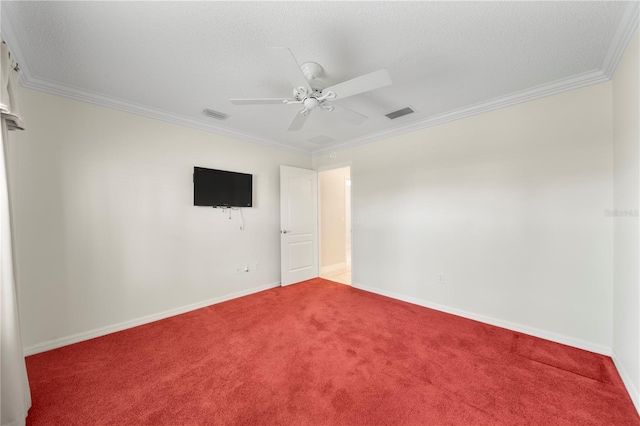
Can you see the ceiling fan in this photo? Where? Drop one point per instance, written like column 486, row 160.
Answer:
column 309, row 93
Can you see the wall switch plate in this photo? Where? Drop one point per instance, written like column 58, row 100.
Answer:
column 440, row 278
column 257, row 266
column 238, row 269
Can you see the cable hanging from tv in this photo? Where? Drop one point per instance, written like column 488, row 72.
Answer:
column 241, row 216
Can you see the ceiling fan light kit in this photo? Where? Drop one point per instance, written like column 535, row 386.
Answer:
column 313, row 96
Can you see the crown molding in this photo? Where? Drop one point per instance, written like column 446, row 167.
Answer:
column 29, row 81
column 130, row 107
column 514, row 98
column 627, row 23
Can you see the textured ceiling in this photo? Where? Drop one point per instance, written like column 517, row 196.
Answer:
column 182, row 57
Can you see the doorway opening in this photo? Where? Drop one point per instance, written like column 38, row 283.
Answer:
column 335, row 224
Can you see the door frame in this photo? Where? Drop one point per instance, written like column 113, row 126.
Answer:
column 326, row 168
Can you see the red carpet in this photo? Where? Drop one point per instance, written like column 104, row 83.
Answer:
column 320, row 353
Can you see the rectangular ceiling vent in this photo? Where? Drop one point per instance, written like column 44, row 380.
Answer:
column 399, row 113
column 215, row 114
column 321, row 140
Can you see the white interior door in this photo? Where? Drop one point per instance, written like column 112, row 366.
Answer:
column 298, row 224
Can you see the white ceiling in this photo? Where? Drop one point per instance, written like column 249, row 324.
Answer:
column 170, row 60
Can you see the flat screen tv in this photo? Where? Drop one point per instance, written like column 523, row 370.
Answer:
column 219, row 188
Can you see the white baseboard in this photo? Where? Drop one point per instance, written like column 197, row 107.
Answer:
column 334, row 267
column 626, row 379
column 543, row 334
column 86, row 335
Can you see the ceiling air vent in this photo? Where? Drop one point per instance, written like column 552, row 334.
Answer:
column 215, row 114
column 321, row 140
column 399, row 113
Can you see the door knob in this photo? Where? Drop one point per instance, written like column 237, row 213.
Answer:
column 285, row 231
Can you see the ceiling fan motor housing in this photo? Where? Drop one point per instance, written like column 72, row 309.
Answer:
column 300, row 94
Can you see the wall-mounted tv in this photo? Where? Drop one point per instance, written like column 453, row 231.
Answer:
column 220, row 188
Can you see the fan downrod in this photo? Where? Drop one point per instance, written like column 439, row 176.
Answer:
column 311, row 70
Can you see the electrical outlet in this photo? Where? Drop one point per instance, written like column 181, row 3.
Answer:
column 238, row 269
column 257, row 266
column 440, row 278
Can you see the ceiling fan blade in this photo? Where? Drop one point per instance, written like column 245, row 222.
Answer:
column 348, row 115
column 264, row 101
column 298, row 121
column 287, row 64
column 364, row 83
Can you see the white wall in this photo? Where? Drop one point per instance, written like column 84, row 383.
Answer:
column 626, row 149
column 332, row 217
column 508, row 205
column 106, row 230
